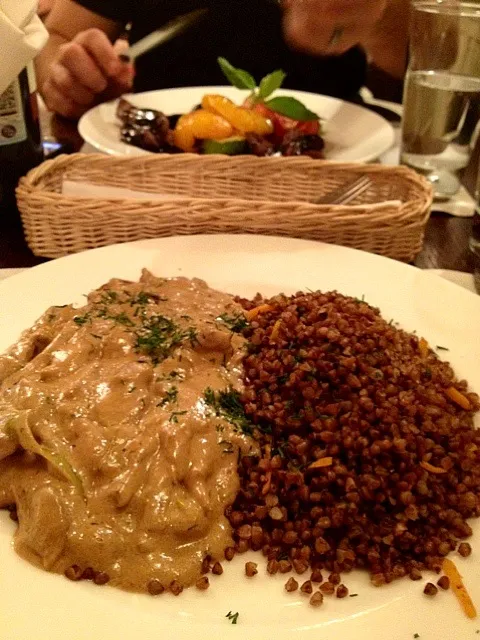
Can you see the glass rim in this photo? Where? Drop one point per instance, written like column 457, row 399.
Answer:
column 444, row 6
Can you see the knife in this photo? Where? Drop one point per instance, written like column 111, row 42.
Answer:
column 164, row 34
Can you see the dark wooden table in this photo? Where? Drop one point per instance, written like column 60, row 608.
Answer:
column 445, row 247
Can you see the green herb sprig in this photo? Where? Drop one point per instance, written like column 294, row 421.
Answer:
column 284, row 105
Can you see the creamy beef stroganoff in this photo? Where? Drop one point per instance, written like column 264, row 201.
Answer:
column 118, row 441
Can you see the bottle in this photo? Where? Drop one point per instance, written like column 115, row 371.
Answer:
column 20, row 139
column 475, row 237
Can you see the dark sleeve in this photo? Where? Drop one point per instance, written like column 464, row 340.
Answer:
column 117, row 10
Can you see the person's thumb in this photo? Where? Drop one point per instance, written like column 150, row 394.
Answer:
column 124, row 79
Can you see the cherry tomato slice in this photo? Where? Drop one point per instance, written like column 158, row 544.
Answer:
column 282, row 124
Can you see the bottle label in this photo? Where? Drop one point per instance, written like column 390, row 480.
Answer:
column 12, row 123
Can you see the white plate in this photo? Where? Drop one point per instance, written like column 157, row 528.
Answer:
column 41, row 606
column 352, row 133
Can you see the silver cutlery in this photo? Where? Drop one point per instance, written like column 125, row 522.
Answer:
column 160, row 36
column 346, row 193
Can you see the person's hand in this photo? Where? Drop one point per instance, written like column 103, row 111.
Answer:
column 330, row 27
column 82, row 70
column 43, row 8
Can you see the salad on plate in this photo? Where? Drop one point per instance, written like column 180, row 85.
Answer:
column 264, row 125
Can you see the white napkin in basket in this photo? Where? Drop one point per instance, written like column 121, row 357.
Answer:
column 22, row 35
column 87, row 190
column 81, row 189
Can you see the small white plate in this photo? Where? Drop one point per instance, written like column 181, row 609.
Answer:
column 352, row 133
column 43, row 606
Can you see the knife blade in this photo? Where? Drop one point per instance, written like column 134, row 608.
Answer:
column 164, row 34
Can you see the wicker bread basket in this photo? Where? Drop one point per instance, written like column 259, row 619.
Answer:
column 220, row 194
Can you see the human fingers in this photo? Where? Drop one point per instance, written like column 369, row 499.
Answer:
column 116, row 88
column 101, row 50
column 74, row 57
column 66, row 83
column 60, row 103
column 330, row 27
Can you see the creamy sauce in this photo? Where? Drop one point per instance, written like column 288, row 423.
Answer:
column 114, row 442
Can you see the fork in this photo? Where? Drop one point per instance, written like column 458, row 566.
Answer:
column 346, row 193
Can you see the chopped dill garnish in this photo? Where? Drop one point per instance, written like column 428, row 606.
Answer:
column 122, row 318
column 143, row 298
column 233, row 617
column 279, row 450
column 170, row 396
column 191, row 334
column 158, row 335
column 209, row 396
column 440, row 348
column 174, row 415
column 81, row 320
column 235, row 323
column 229, row 403
column 109, row 296
column 226, row 404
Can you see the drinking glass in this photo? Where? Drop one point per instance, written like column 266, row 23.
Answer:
column 441, row 100
column 475, row 237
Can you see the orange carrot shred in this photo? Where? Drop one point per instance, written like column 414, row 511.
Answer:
column 459, row 588
column 275, row 331
column 423, row 347
column 322, row 462
column 432, row 468
column 268, row 483
column 253, row 313
column 458, row 398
